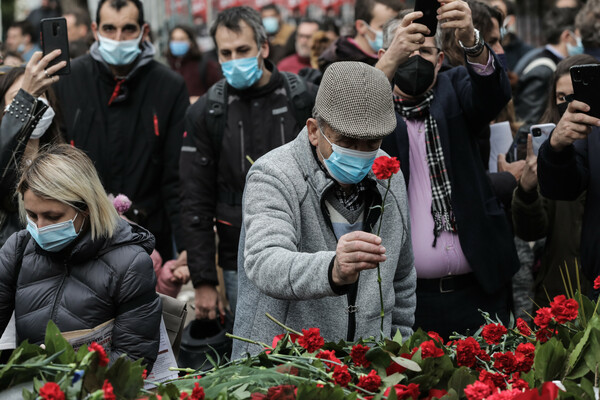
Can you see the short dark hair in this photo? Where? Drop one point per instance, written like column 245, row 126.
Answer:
column 271, row 6
column 363, row 9
column 329, row 25
column 230, row 18
column 556, row 21
column 82, row 17
column 118, row 4
column 588, row 22
column 26, row 28
column 482, row 15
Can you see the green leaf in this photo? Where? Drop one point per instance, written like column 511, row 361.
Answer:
column 27, row 395
column 398, row 337
column 126, row 377
column 451, row 395
column 169, row 390
column 378, row 357
column 460, row 379
column 550, row 358
column 392, row 380
column 55, row 342
column 594, row 324
column 406, row 363
column 392, row 394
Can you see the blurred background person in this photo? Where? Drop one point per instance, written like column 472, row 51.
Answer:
column 12, row 59
column 20, row 38
column 278, row 32
column 22, row 132
column 79, row 31
column 184, row 57
column 301, row 59
column 587, row 27
column 47, row 9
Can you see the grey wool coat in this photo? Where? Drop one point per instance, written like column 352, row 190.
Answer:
column 287, row 246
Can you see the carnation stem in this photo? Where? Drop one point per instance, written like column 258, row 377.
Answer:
column 241, row 339
column 287, row 328
column 382, row 313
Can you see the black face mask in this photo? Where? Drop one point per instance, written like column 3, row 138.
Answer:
column 562, row 107
column 415, row 76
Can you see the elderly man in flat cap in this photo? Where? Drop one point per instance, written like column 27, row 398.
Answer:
column 306, row 255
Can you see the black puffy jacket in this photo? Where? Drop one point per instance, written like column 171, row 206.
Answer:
column 86, row 284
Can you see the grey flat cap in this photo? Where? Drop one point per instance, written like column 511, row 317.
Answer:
column 355, row 100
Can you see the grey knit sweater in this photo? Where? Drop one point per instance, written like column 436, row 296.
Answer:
column 287, row 245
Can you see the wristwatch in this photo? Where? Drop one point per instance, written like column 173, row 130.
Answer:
column 477, row 48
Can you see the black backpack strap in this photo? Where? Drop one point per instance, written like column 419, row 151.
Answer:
column 202, row 70
column 215, row 114
column 297, row 91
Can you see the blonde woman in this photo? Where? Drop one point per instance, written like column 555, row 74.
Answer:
column 77, row 263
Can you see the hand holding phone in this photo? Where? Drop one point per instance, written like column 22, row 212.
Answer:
column 540, row 133
column 53, row 36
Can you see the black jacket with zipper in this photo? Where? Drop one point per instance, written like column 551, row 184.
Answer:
column 82, row 286
column 131, row 128
column 257, row 121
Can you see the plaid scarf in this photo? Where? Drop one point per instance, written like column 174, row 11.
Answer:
column 441, row 208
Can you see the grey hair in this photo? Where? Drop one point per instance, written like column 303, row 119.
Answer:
column 231, row 18
column 390, row 27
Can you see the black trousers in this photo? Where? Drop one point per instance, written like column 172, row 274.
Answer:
column 452, row 305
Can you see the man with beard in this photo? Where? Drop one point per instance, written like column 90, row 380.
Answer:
column 301, row 58
column 463, row 248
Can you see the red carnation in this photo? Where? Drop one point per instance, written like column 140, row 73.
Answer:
column 341, row 376
column 517, row 383
column 358, row 353
column 597, row 283
column 543, row 317
column 197, row 392
column 107, row 388
column 436, row 337
column 370, row 382
column 493, row 379
column 523, row 328
column 183, row 396
column 311, row 339
column 281, row 392
column 478, row 391
column 51, row 391
column 384, row 167
column 564, row 309
column 467, row 351
column 410, row 391
column 492, row 333
column 506, row 362
column 543, row 335
column 525, row 354
column 429, row 350
column 328, row 355
column 102, row 357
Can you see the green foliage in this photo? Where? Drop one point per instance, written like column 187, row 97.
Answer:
column 549, row 361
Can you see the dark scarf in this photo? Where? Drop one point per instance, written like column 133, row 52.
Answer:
column 441, row 190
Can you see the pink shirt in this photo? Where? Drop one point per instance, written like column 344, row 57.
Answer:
column 447, row 257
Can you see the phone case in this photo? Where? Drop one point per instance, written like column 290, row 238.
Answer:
column 540, row 133
column 429, row 10
column 586, row 85
column 54, row 36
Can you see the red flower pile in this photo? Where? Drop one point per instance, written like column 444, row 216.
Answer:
column 492, row 333
column 328, row 355
column 102, row 357
column 358, row 353
column 370, row 382
column 384, row 167
column 430, row 350
column 410, row 391
column 341, row 376
column 597, row 283
column 51, row 391
column 311, row 339
column 197, row 393
column 107, row 388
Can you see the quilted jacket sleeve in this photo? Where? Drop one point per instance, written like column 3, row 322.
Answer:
column 137, row 323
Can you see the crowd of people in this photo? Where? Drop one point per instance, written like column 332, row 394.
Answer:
column 256, row 159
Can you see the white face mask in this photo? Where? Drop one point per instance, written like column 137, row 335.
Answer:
column 44, row 122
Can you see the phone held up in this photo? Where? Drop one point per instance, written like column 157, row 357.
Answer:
column 54, row 36
column 586, row 85
column 540, row 133
column 429, row 19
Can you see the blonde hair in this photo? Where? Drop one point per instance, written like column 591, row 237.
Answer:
column 66, row 174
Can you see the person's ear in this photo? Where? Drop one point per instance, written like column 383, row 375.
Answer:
column 440, row 60
column 361, row 27
column 313, row 131
column 146, row 32
column 95, row 30
column 565, row 36
column 264, row 50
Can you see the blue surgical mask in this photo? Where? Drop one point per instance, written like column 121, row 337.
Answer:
column 53, row 237
column 179, row 49
column 116, row 52
column 377, row 43
column 271, row 24
column 577, row 49
column 346, row 165
column 242, row 73
column 21, row 48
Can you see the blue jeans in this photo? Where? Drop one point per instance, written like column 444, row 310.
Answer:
column 230, row 278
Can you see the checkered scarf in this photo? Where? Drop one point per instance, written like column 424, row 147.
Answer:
column 441, row 208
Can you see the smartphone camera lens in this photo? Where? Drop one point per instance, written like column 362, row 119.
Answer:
column 536, row 132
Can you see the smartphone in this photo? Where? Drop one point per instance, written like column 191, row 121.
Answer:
column 53, row 36
column 540, row 133
column 429, row 19
column 586, row 85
